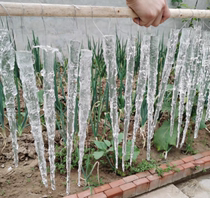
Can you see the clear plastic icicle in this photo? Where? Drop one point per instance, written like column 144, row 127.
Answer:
column 193, row 77
column 203, row 87
column 208, row 106
column 73, row 65
column 25, row 64
column 184, row 44
column 152, row 84
column 141, row 87
column 84, row 102
column 184, row 85
column 7, row 61
column 172, row 46
column 111, row 66
column 49, row 106
column 131, row 50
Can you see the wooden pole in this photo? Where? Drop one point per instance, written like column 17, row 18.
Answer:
column 59, row 10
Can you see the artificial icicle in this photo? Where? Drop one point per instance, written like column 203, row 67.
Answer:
column 193, row 77
column 172, row 45
column 25, row 64
column 205, row 80
column 111, row 66
column 131, row 50
column 49, row 105
column 7, row 61
column 183, row 84
column 73, row 65
column 184, row 44
column 141, row 87
column 84, row 102
column 152, row 84
column 208, row 107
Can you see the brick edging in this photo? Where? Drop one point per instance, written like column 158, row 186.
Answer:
column 143, row 182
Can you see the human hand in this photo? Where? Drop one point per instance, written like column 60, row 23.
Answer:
column 150, row 12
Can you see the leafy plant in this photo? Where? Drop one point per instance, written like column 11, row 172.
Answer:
column 106, row 149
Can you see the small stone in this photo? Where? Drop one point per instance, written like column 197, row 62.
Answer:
column 9, row 169
column 204, row 184
column 25, row 164
column 45, row 196
column 2, row 166
column 28, row 175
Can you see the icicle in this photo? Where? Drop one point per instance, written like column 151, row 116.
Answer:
column 141, row 87
column 84, row 102
column 208, row 106
column 184, row 43
column 152, row 84
column 184, row 77
column 205, row 76
column 25, row 64
column 172, row 45
column 49, row 107
column 111, row 65
column 7, row 60
column 73, row 66
column 131, row 49
column 194, row 72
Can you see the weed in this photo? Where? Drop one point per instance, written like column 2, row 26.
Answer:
column 2, row 193
column 189, row 145
column 8, row 182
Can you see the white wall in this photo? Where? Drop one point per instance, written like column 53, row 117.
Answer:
column 58, row 31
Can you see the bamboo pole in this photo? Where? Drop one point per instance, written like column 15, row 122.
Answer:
column 61, row 10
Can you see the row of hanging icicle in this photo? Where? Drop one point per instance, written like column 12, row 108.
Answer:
column 191, row 69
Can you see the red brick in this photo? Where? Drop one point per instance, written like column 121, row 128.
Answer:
column 102, row 188
column 152, row 171
column 163, row 166
column 167, row 178
column 205, row 154
column 188, row 159
column 72, row 196
column 154, row 181
column 84, row 194
column 199, row 166
column 177, row 163
column 179, row 174
column 114, row 193
column 143, row 174
column 117, row 183
column 206, row 162
column 130, row 178
column 142, row 185
column 207, row 165
column 198, row 156
column 189, row 167
column 206, row 159
column 129, row 190
column 99, row 195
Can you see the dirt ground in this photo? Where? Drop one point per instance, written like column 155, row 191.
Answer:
column 25, row 181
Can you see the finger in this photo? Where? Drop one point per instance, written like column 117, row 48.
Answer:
column 137, row 21
column 166, row 14
column 158, row 20
column 150, row 23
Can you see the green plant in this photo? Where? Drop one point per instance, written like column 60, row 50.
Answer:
column 189, row 145
column 143, row 166
column 60, row 159
column 2, row 193
column 105, row 148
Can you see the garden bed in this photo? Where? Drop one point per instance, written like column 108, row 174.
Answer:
column 25, row 181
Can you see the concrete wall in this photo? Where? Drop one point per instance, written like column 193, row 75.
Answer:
column 58, row 31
